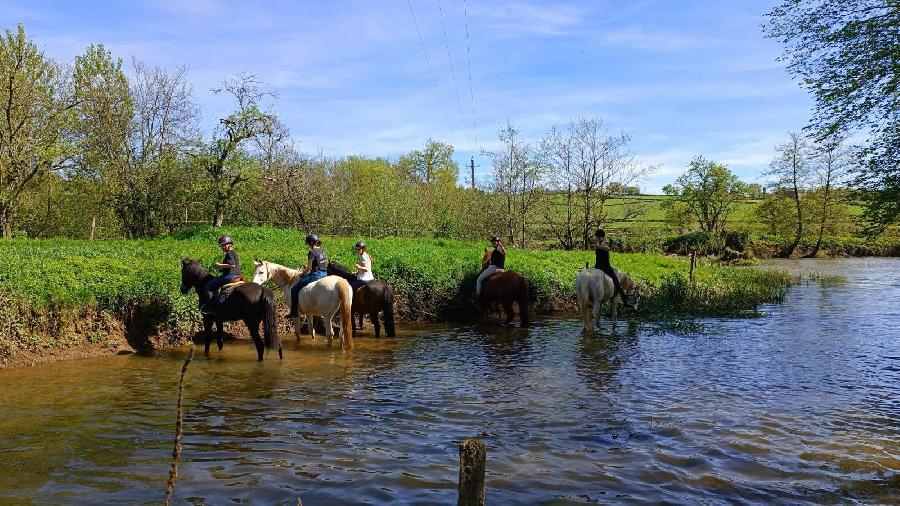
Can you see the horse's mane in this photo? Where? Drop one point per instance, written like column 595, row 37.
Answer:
column 194, row 269
column 297, row 273
column 342, row 271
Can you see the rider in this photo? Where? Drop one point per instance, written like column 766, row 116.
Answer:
column 363, row 266
column 230, row 268
column 316, row 269
column 496, row 262
column 601, row 251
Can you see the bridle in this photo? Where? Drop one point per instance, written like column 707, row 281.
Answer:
column 269, row 277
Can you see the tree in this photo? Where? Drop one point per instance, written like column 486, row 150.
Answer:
column 516, row 173
column 710, row 191
column 776, row 212
column 432, row 172
column 791, row 168
column 224, row 160
column 832, row 161
column 146, row 187
column 588, row 166
column 846, row 54
column 678, row 215
column 36, row 102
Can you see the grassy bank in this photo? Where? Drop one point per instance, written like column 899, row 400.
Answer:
column 62, row 292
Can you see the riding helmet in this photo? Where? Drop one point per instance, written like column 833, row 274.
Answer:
column 312, row 238
column 599, row 233
column 495, row 237
column 225, row 239
column 360, row 244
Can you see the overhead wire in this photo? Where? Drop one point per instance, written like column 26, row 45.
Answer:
column 430, row 71
column 462, row 122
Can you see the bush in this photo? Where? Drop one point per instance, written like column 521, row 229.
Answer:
column 698, row 242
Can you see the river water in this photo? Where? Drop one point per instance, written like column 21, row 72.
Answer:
column 799, row 406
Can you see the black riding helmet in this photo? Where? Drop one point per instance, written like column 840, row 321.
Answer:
column 313, row 239
column 599, row 233
column 360, row 244
column 225, row 239
column 495, row 237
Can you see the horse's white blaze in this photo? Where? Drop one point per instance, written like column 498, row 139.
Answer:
column 593, row 287
column 319, row 298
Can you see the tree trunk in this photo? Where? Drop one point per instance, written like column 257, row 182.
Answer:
column 220, row 213
column 823, row 219
column 5, row 221
column 793, row 246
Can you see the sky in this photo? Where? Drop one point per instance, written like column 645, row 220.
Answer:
column 682, row 77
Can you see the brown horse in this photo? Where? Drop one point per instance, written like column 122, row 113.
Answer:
column 503, row 288
column 370, row 299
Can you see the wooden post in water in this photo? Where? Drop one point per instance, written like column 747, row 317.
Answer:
column 472, row 456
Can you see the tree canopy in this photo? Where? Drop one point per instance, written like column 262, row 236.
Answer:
column 848, row 54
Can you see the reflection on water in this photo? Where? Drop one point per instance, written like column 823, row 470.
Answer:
column 800, row 406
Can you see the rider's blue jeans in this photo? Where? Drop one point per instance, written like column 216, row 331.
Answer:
column 214, row 284
column 305, row 280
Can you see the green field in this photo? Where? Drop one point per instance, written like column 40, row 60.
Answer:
column 49, row 286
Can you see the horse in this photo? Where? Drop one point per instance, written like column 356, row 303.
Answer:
column 248, row 302
column 373, row 297
column 319, row 298
column 593, row 287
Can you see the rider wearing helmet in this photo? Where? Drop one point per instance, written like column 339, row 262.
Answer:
column 229, row 267
column 363, row 266
column 316, row 269
column 494, row 264
column 601, row 253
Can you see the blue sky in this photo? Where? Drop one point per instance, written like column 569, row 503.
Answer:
column 682, row 77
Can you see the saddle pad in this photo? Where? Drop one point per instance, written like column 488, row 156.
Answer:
column 225, row 292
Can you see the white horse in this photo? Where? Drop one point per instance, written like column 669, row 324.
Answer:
column 319, row 298
column 594, row 287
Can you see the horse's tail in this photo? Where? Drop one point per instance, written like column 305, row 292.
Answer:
column 270, row 325
column 345, row 293
column 524, row 300
column 387, row 305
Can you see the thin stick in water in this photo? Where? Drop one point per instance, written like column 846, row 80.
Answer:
column 179, row 429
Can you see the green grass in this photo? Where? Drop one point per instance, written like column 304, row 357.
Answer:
column 52, row 283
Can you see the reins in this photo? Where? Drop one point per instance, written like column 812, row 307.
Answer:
column 269, row 278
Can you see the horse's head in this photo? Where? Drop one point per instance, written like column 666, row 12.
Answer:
column 632, row 290
column 191, row 274
column 261, row 272
column 336, row 269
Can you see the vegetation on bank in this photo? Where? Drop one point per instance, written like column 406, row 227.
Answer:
column 60, row 291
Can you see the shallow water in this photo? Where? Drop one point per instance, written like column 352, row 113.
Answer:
column 800, row 406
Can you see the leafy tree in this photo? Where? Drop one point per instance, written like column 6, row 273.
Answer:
column 678, row 215
column 832, row 162
column 223, row 160
column 846, row 54
column 710, row 191
column 791, row 168
column 776, row 213
column 36, row 105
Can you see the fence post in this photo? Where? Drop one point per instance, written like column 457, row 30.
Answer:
column 472, row 455
column 693, row 263
column 93, row 227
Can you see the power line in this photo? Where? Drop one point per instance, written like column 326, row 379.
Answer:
column 452, row 72
column 437, row 90
column 469, row 58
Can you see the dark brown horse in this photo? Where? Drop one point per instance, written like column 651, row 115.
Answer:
column 249, row 302
column 503, row 289
column 370, row 299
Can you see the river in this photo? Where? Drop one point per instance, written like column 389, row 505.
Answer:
column 799, row 406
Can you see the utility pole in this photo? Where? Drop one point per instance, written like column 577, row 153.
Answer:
column 472, row 168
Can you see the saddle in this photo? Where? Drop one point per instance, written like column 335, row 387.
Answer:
column 224, row 292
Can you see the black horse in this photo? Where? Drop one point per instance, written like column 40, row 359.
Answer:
column 249, row 302
column 371, row 298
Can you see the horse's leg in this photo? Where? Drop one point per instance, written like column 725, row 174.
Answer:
column 219, row 342
column 253, row 327
column 376, row 324
column 329, row 329
column 614, row 310
column 311, row 325
column 207, row 333
column 508, row 308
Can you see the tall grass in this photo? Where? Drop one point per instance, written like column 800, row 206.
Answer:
column 48, row 285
